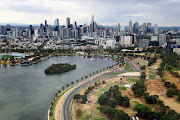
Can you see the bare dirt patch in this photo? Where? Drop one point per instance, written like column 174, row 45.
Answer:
column 170, row 78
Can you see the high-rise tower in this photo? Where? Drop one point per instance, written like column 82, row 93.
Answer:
column 67, row 22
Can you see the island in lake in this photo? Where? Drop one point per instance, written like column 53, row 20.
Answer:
column 59, row 68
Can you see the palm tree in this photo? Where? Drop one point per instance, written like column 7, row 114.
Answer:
column 56, row 95
column 93, row 73
column 97, row 72
column 63, row 88
column 89, row 75
column 67, row 85
column 81, row 78
column 100, row 70
column 77, row 80
column 59, row 91
column 72, row 83
column 86, row 76
column 103, row 68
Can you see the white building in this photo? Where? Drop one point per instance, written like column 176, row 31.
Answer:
column 156, row 30
column 154, row 38
column 162, row 40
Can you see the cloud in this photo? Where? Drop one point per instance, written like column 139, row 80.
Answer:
column 161, row 12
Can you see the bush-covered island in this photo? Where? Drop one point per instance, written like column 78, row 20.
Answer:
column 59, row 68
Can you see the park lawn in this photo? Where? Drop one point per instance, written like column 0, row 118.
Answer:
column 132, row 70
column 139, row 105
column 132, row 80
column 142, row 62
column 127, row 66
column 108, row 86
column 176, row 69
column 113, row 74
column 152, row 76
column 122, row 88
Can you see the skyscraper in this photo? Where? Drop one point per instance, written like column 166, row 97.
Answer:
column 56, row 24
column 119, row 27
column 136, row 28
column 67, row 22
column 162, row 40
column 148, row 27
column 92, row 18
column 130, row 24
column 156, row 30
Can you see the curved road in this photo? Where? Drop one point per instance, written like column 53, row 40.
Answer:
column 68, row 100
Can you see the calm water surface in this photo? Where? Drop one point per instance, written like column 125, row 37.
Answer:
column 26, row 92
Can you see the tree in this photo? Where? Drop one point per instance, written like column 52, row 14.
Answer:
column 143, row 75
column 51, row 114
column 96, row 72
column 77, row 81
column 178, row 97
column 143, row 67
column 121, row 114
column 103, row 82
column 81, row 78
column 89, row 75
column 95, row 83
column 67, row 85
column 103, row 99
column 112, row 103
column 63, row 88
column 72, row 83
column 86, row 76
column 93, row 73
column 56, row 95
column 77, row 97
column 59, row 91
column 84, row 98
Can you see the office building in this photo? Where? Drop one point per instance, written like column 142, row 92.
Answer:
column 162, row 40
column 144, row 43
column 67, row 22
column 156, row 30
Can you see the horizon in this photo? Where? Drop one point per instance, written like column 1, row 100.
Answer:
column 107, row 13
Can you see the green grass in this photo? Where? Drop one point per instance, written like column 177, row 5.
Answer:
column 152, row 76
column 127, row 66
column 139, row 105
column 176, row 69
column 165, row 69
column 84, row 115
column 8, row 56
column 122, row 88
column 142, row 62
column 131, row 70
column 113, row 74
column 132, row 80
column 98, row 118
column 108, row 86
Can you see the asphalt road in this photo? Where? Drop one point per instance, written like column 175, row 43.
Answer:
column 68, row 100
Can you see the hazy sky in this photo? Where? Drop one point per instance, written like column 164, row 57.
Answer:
column 106, row 12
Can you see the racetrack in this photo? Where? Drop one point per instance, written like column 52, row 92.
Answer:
column 68, row 100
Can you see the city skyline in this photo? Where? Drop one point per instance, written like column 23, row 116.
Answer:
column 107, row 13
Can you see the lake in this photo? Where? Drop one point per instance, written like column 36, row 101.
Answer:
column 26, row 91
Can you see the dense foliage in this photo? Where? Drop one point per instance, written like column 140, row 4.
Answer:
column 138, row 88
column 59, row 68
column 105, row 99
column 114, row 113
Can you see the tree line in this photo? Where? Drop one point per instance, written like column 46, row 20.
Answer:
column 59, row 68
